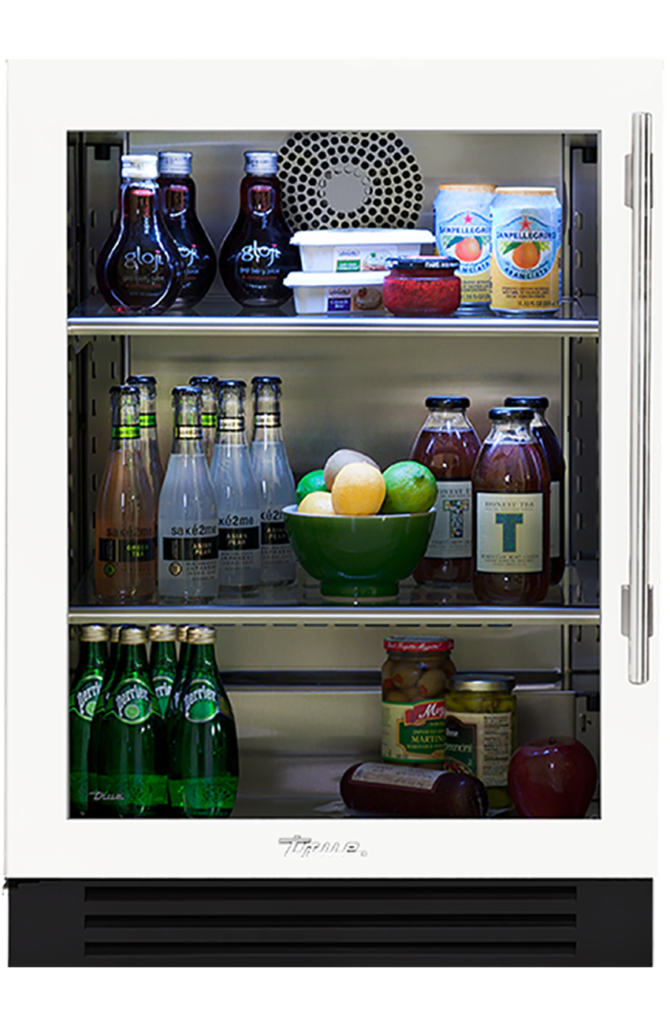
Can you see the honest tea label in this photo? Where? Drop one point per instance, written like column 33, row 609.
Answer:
column 510, row 532
column 482, row 743
column 555, row 520
column 452, row 533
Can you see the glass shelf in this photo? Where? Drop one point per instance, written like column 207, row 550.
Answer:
column 218, row 314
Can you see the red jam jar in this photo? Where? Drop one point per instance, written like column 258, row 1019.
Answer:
column 422, row 286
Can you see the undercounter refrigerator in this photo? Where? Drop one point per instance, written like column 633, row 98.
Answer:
column 333, row 425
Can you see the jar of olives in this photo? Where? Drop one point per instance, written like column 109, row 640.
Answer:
column 414, row 683
column 480, row 727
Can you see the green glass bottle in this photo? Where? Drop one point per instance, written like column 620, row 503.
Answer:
column 95, row 808
column 202, row 752
column 130, row 754
column 84, row 694
column 163, row 662
column 172, row 713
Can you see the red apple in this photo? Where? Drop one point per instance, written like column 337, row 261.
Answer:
column 552, row 778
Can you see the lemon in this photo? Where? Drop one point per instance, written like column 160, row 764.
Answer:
column 310, row 482
column 317, row 503
column 358, row 490
column 410, row 487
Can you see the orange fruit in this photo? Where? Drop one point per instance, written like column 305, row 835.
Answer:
column 468, row 249
column 317, row 503
column 526, row 256
column 359, row 490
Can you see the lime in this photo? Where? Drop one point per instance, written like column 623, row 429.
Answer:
column 410, row 487
column 313, row 481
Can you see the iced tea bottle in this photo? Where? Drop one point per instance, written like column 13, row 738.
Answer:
column 510, row 484
column 257, row 254
column 448, row 445
column 148, row 430
column 178, row 206
column 139, row 269
column 554, row 455
column 125, row 515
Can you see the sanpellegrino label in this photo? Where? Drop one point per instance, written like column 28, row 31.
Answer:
column 466, row 236
column 526, row 247
column 133, row 704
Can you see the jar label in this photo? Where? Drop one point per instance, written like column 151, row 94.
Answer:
column 413, row 732
column 480, row 742
column 510, row 533
column 390, row 775
column 452, row 533
column 555, row 520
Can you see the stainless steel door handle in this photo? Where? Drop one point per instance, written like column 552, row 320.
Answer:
column 637, row 596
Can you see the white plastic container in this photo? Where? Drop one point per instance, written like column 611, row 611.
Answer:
column 337, row 293
column 354, row 250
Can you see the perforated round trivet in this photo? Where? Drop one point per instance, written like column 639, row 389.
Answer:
column 349, row 180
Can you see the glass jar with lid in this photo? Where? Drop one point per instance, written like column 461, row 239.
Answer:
column 414, row 681
column 480, row 729
column 422, row 286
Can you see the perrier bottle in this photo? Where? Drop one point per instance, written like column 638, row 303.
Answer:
column 203, row 760
column 163, row 662
column 129, row 750
column 84, row 694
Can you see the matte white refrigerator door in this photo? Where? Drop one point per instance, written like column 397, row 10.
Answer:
column 47, row 99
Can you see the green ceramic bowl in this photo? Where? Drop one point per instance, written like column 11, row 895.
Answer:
column 359, row 558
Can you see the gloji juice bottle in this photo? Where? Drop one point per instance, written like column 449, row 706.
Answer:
column 510, row 483
column 197, row 253
column 448, row 445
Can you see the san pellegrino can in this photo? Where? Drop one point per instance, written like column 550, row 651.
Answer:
column 163, row 662
column 203, row 758
column 526, row 251
column 462, row 227
column 130, row 748
column 188, row 521
column 84, row 694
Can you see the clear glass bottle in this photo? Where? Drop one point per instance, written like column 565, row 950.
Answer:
column 163, row 662
column 130, row 767
column 257, row 254
column 188, row 522
column 84, row 695
column 448, row 445
column 554, row 455
column 209, row 416
column 237, row 496
column 197, row 253
column 149, row 431
column 139, row 269
column 125, row 515
column 203, row 757
column 510, row 484
column 275, row 480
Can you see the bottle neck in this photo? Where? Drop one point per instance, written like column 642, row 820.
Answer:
column 178, row 196
column 202, row 662
column 148, row 426
column 511, row 432
column 447, row 420
column 260, row 197
column 125, row 427
column 138, row 203
column 92, row 657
column 188, row 433
column 267, row 417
column 133, row 659
column 163, row 654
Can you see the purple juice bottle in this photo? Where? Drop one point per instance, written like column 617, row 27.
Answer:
column 178, row 208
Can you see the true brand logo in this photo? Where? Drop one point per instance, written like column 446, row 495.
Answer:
column 301, row 846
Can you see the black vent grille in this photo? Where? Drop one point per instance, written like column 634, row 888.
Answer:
column 590, row 922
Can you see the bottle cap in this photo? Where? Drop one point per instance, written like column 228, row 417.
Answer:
column 469, row 682
column 529, row 402
column 178, row 165
column 259, row 382
column 146, row 385
column 182, row 633
column 508, row 412
column 115, row 633
column 139, row 167
column 162, row 631
column 422, row 263
column 231, row 385
column 260, row 163
column 418, row 644
column 202, row 635
column 133, row 635
column 125, row 390
column 204, row 382
column 94, row 634
column 447, row 402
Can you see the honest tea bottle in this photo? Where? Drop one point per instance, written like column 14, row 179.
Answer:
column 209, row 414
column 510, row 483
column 130, row 768
column 84, row 695
column 273, row 475
column 188, row 522
column 163, row 662
column 448, row 445
column 257, row 254
column 554, row 455
column 139, row 269
column 149, row 431
column 237, row 495
column 197, row 253
column 203, row 758
column 125, row 515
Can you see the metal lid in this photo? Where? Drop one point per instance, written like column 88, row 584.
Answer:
column 529, row 402
column 418, row 644
column 260, row 162
column 139, row 167
column 523, row 190
column 422, row 263
column 162, row 631
column 182, row 633
column 508, row 412
column 133, row 635
column 176, row 164
column 205, row 381
column 467, row 188
column 93, row 634
column 447, row 402
column 472, row 682
column 115, row 633
column 202, row 635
